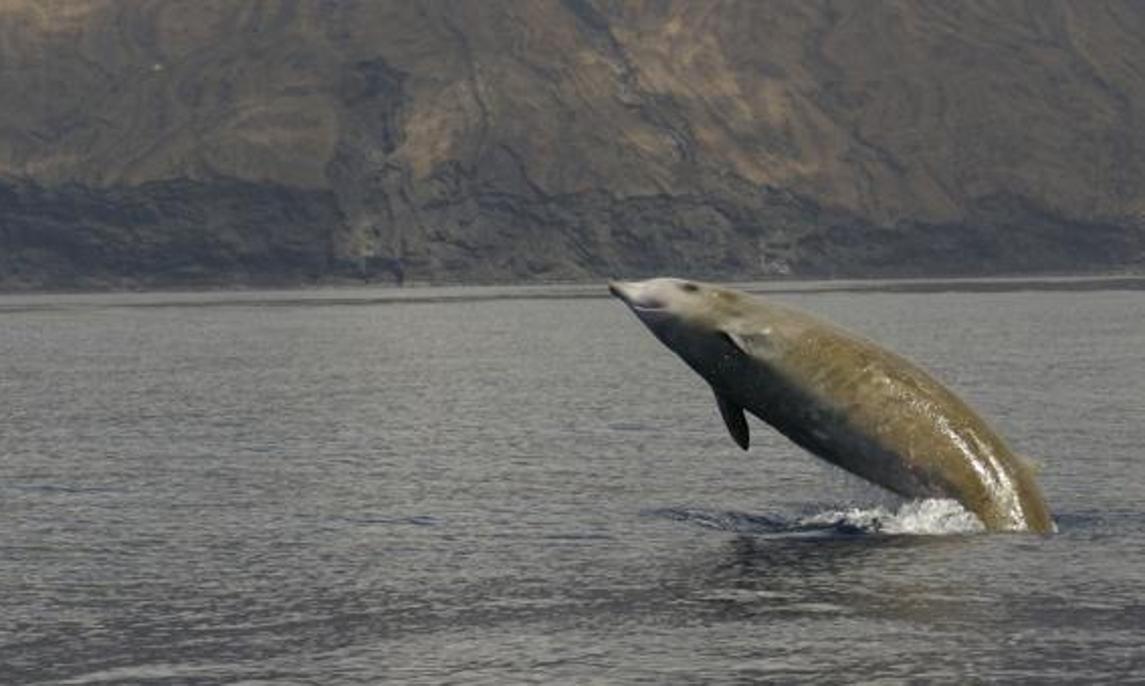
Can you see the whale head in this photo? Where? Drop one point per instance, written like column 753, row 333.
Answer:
column 668, row 302
column 700, row 322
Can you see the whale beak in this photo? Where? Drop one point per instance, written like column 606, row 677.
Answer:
column 617, row 288
column 636, row 295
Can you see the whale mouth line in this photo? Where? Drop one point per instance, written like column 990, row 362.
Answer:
column 653, row 306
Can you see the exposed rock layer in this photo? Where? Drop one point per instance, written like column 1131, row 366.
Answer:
column 277, row 141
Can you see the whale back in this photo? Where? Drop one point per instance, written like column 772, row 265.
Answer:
column 882, row 417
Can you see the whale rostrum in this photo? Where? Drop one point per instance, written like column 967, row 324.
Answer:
column 840, row 397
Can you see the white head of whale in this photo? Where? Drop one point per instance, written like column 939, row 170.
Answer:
column 706, row 324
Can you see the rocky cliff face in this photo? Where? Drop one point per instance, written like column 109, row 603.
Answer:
column 278, row 141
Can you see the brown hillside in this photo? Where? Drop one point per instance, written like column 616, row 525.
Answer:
column 154, row 142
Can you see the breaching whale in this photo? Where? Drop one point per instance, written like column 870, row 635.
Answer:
column 841, row 397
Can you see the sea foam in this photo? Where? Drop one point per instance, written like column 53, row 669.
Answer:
column 936, row 516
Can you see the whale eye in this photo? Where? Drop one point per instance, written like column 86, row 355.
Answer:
column 689, row 287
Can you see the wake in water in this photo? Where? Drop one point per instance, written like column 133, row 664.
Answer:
column 932, row 517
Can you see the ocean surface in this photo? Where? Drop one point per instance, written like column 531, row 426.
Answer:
column 521, row 485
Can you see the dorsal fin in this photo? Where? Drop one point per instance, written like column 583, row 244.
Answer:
column 733, row 417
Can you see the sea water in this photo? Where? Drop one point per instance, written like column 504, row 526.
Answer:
column 521, row 485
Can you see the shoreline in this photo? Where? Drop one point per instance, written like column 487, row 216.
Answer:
column 429, row 293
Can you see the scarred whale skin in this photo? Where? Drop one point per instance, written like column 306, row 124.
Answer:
column 841, row 397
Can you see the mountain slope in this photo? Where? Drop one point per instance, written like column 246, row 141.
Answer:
column 279, row 141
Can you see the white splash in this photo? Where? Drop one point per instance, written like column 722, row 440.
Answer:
column 934, row 517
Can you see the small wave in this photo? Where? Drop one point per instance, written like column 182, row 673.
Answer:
column 369, row 519
column 932, row 517
column 64, row 489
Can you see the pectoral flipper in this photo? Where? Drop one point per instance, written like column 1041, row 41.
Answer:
column 734, row 418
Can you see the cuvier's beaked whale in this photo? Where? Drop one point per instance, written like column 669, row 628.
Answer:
column 841, row 397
